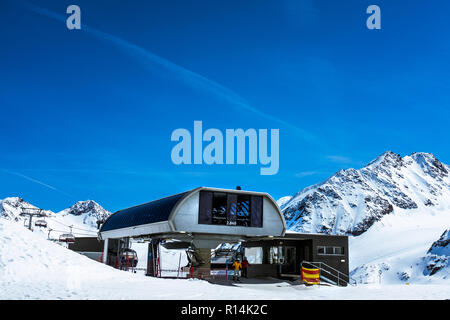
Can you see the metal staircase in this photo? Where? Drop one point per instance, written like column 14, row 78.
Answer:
column 330, row 275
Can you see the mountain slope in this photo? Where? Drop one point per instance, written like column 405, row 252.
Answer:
column 85, row 212
column 82, row 217
column 392, row 251
column 351, row 201
column 12, row 207
column 438, row 256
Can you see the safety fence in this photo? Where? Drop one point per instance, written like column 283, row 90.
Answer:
column 217, row 275
column 173, row 273
column 220, row 274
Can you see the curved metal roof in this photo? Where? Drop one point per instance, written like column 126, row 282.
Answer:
column 160, row 211
column 150, row 212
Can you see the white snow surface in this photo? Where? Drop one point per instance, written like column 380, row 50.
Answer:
column 34, row 268
column 283, row 200
column 393, row 250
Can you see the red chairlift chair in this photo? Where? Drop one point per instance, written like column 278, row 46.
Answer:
column 41, row 223
column 67, row 238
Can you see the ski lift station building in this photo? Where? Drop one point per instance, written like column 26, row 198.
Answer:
column 201, row 219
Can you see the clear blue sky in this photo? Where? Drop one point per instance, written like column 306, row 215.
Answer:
column 88, row 114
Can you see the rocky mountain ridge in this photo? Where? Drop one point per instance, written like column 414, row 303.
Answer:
column 351, row 201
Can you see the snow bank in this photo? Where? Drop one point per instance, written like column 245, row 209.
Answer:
column 392, row 250
column 34, row 268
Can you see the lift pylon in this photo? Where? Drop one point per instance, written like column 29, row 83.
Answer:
column 32, row 212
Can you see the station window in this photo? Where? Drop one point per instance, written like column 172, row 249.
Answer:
column 219, row 208
column 254, row 255
column 232, row 209
column 338, row 250
column 274, row 255
column 329, row 250
column 243, row 210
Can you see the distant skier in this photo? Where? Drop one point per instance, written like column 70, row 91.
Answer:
column 237, row 266
column 122, row 263
column 245, row 265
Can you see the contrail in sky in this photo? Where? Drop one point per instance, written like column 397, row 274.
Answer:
column 191, row 78
column 37, row 181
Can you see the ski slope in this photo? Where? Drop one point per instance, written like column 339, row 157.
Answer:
column 34, row 268
column 392, row 250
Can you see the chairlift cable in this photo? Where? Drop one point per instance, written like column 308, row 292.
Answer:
column 71, row 226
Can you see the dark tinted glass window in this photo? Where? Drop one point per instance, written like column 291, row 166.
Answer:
column 219, row 208
column 230, row 209
column 243, row 210
column 256, row 209
column 329, row 250
column 205, row 207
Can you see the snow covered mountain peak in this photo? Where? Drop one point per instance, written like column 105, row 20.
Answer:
column 283, row 200
column 87, row 207
column 387, row 159
column 429, row 164
column 82, row 215
column 88, row 211
column 351, row 201
column 17, row 202
column 12, row 207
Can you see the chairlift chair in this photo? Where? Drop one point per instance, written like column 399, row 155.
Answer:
column 41, row 223
column 67, row 237
column 128, row 257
